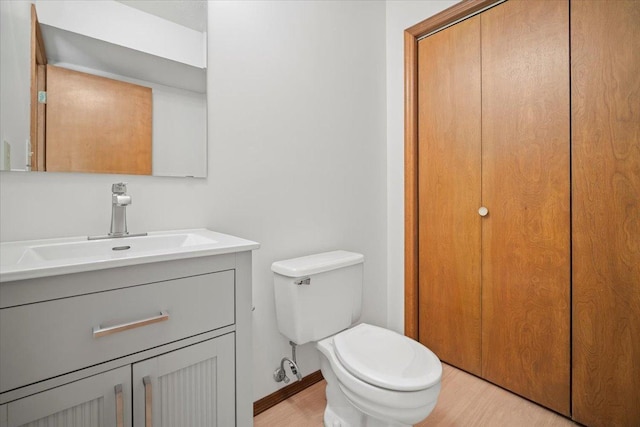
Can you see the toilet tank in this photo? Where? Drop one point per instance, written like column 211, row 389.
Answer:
column 318, row 295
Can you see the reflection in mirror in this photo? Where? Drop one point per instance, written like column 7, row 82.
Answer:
column 104, row 86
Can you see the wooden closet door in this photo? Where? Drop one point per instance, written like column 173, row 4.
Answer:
column 96, row 124
column 449, row 194
column 605, row 78
column 525, row 186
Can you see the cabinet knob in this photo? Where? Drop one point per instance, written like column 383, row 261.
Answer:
column 483, row 211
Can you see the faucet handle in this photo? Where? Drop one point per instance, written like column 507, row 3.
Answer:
column 120, row 199
column 119, row 188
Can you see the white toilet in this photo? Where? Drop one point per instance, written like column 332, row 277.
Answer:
column 375, row 377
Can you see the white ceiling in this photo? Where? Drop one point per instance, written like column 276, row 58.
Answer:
column 188, row 13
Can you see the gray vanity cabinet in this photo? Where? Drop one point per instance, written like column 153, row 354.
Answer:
column 62, row 365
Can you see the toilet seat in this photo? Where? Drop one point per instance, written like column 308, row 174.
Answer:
column 404, row 407
column 386, row 359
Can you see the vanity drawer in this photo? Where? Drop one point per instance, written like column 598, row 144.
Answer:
column 43, row 340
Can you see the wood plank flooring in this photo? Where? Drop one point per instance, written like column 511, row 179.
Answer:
column 303, row 409
column 465, row 401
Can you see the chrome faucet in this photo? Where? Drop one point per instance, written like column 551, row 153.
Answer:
column 119, row 202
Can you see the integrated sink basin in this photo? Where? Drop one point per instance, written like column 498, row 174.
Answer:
column 111, row 248
column 39, row 258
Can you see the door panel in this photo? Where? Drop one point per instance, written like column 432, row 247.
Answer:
column 90, row 402
column 605, row 46
column 95, row 124
column 449, row 194
column 525, row 186
column 193, row 386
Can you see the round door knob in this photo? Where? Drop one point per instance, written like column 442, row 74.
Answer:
column 483, row 211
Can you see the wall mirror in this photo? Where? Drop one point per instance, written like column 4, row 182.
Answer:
column 104, row 86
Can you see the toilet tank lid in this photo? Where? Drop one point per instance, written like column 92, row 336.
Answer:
column 318, row 263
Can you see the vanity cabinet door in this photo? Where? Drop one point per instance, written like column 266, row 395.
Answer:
column 97, row 401
column 3, row 415
column 193, row 386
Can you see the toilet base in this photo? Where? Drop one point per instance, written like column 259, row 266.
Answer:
column 332, row 420
column 342, row 413
column 339, row 412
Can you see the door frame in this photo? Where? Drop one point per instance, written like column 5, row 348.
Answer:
column 447, row 17
column 38, row 76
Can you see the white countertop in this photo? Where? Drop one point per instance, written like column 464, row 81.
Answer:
column 31, row 259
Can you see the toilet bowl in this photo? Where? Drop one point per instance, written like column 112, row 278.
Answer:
column 375, row 377
column 388, row 378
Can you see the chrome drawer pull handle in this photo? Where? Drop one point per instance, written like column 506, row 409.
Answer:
column 148, row 398
column 100, row 332
column 119, row 406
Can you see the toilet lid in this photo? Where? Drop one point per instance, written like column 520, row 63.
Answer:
column 387, row 359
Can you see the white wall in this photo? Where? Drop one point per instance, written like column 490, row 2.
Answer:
column 123, row 25
column 179, row 132
column 297, row 141
column 297, row 120
column 15, row 79
column 400, row 15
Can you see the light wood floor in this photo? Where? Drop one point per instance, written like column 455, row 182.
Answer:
column 465, row 401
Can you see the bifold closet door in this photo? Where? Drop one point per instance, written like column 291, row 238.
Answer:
column 525, row 186
column 449, row 194
column 605, row 78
